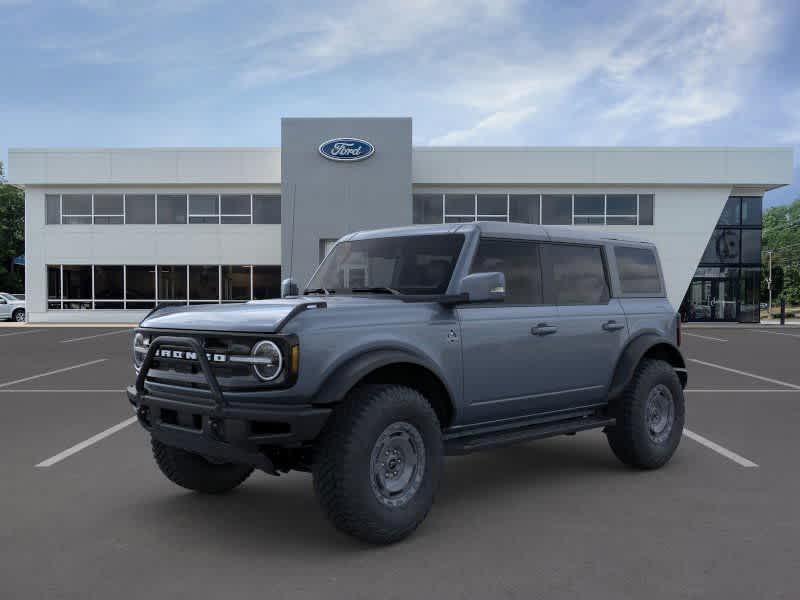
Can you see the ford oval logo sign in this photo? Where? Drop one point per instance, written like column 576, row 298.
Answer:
column 345, row 149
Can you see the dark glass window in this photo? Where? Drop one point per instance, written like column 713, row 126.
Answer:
column 751, row 245
column 204, row 208
column 524, row 208
column 493, row 205
column 108, row 282
column 518, row 261
column 140, row 282
column 171, row 209
column 266, row 281
column 557, row 209
column 76, row 209
column 751, row 211
column 267, row 209
column 171, row 282
column 77, row 282
column 574, row 275
column 53, row 209
column 589, row 209
column 638, row 271
column 108, row 209
column 723, row 247
column 140, row 209
column 459, row 204
column 54, row 282
column 730, row 214
column 621, row 204
column 236, row 282
column 414, row 264
column 646, row 209
column 203, row 282
column 427, row 209
column 749, row 295
column 235, row 208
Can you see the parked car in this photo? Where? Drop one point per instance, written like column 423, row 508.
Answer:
column 407, row 345
column 12, row 308
column 763, row 306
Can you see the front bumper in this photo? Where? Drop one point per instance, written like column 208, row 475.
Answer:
column 217, row 428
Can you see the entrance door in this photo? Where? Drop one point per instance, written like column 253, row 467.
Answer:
column 712, row 300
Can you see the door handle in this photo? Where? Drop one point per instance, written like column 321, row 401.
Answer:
column 543, row 329
column 612, row 326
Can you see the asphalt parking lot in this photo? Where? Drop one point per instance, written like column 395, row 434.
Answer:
column 559, row 518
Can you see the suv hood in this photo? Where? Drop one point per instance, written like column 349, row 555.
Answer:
column 257, row 316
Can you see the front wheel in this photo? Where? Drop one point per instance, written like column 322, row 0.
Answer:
column 19, row 315
column 378, row 463
column 650, row 416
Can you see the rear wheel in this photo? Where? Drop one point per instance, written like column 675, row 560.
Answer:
column 650, row 417
column 378, row 463
column 194, row 472
column 19, row 315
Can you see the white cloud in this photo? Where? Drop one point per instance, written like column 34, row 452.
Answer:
column 496, row 122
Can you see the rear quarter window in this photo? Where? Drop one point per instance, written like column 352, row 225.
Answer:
column 574, row 274
column 638, row 271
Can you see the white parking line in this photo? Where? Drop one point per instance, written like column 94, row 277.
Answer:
column 22, row 332
column 86, row 443
column 705, row 337
column 753, row 375
column 730, row 455
column 745, row 391
column 87, row 391
column 24, row 379
column 794, row 335
column 91, row 337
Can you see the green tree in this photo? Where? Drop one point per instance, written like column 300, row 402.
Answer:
column 781, row 235
column 12, row 235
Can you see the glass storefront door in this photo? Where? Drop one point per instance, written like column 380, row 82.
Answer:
column 712, row 300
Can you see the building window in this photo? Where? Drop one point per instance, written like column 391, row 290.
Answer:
column 53, row 209
column 589, row 209
column 236, row 283
column 140, row 209
column 109, row 287
column 76, row 209
column 492, row 207
column 235, row 209
column 557, row 209
column 172, row 284
column 140, row 287
column 751, row 211
column 203, row 282
column 171, row 209
column 204, row 208
column 325, row 246
column 109, row 209
column 523, row 208
column 267, row 209
column 53, row 287
column 266, row 282
column 76, row 282
column 428, row 208
column 646, row 209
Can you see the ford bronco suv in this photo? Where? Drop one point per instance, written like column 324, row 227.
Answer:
column 410, row 344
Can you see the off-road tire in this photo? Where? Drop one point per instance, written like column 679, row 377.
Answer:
column 630, row 437
column 18, row 315
column 194, row 472
column 343, row 462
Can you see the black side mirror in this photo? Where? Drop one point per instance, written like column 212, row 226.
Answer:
column 289, row 288
column 483, row 287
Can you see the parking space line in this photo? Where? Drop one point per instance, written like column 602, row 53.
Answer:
column 705, row 337
column 22, row 332
column 744, row 391
column 91, row 337
column 86, row 443
column 794, row 335
column 32, row 377
column 753, row 375
column 729, row 454
column 76, row 391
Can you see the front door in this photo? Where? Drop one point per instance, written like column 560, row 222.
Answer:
column 711, row 300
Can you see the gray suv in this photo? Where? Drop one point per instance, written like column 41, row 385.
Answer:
column 408, row 345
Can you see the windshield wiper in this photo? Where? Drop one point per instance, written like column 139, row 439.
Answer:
column 376, row 290
column 319, row 290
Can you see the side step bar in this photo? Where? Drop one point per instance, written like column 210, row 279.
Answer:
column 464, row 444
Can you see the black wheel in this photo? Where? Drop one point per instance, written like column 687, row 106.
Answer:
column 194, row 472
column 19, row 315
column 378, row 463
column 650, row 417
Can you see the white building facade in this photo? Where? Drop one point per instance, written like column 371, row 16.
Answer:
column 110, row 233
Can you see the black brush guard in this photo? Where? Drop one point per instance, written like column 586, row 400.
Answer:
column 225, row 432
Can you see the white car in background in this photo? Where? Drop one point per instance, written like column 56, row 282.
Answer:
column 12, row 308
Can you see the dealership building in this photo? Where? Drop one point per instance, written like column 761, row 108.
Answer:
column 110, row 233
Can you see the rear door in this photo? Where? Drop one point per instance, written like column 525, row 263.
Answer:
column 5, row 308
column 592, row 328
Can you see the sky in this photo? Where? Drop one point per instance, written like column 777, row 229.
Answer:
column 107, row 73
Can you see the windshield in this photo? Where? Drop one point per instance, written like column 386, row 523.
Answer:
column 8, row 297
column 414, row 264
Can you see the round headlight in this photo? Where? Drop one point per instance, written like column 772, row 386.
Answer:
column 140, row 344
column 267, row 360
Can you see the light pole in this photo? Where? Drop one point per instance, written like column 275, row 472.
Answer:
column 769, row 285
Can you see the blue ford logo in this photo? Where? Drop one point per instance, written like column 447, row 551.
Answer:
column 346, row 149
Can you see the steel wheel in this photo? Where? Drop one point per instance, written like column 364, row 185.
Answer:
column 660, row 412
column 397, row 464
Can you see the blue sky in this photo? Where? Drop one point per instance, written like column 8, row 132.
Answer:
column 470, row 72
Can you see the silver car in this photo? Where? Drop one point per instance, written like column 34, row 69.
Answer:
column 12, row 308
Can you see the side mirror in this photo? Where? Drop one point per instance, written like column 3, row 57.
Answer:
column 289, row 288
column 483, row 287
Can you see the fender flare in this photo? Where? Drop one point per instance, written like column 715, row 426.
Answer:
column 345, row 376
column 633, row 353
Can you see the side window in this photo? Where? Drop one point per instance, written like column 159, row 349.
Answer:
column 574, row 274
column 518, row 261
column 638, row 271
